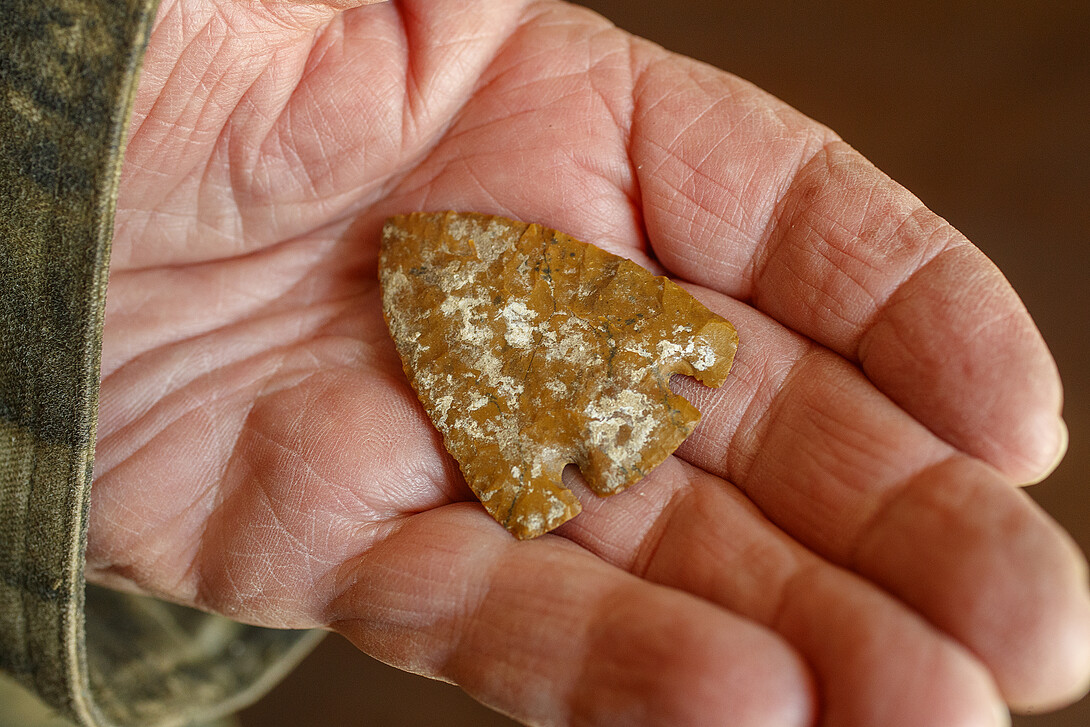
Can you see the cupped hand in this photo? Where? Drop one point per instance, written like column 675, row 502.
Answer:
column 841, row 541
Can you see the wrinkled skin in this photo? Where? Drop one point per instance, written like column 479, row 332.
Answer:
column 841, row 542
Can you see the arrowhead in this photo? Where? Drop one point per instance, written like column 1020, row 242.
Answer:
column 531, row 350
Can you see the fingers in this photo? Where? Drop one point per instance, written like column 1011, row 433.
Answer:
column 984, row 563
column 956, row 341
column 804, row 434
column 549, row 634
column 843, row 470
column 874, row 660
column 744, row 195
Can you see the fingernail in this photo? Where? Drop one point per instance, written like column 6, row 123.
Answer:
column 1002, row 715
column 1063, row 438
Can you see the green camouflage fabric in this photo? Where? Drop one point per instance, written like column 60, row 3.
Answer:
column 68, row 72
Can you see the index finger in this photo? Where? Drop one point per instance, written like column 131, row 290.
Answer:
column 747, row 196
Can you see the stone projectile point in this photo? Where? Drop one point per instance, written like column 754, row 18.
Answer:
column 531, row 350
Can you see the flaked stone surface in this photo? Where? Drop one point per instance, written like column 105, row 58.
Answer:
column 531, row 350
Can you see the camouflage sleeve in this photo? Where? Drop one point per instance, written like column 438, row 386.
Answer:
column 68, row 71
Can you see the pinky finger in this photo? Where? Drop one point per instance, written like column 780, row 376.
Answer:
column 550, row 634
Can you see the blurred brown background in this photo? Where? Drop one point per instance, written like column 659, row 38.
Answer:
column 981, row 109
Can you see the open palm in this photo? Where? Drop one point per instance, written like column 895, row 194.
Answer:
column 839, row 542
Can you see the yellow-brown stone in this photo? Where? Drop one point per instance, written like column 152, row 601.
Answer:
column 531, row 350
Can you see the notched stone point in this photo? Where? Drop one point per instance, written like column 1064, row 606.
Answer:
column 531, row 350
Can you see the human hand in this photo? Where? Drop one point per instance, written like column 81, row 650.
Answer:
column 852, row 557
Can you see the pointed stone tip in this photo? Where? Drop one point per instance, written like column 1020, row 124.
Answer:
column 536, row 349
